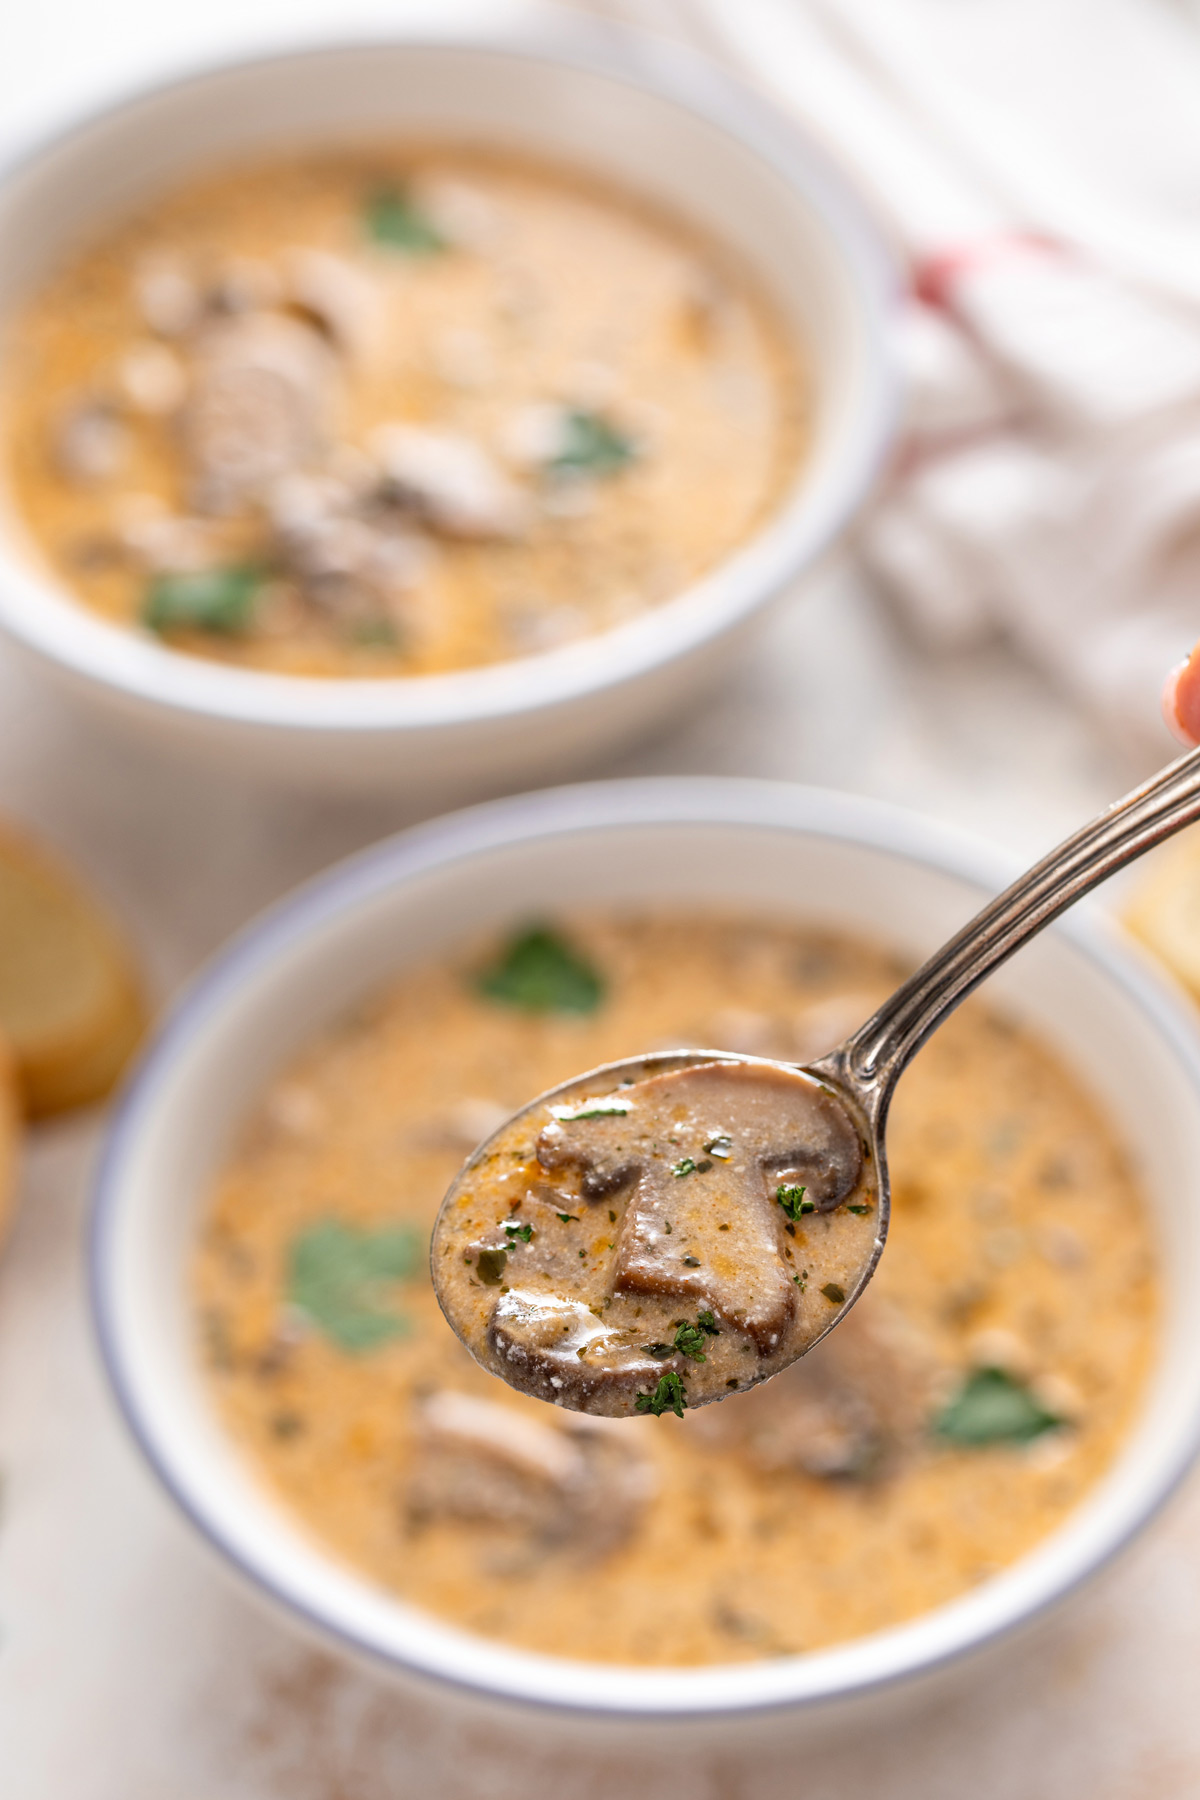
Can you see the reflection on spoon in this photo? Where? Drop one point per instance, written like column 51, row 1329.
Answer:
column 671, row 1230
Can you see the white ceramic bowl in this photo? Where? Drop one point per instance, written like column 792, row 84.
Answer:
column 678, row 135
column 789, row 851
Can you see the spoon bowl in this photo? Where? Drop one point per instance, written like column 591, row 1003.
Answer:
column 624, row 1161
column 662, row 1231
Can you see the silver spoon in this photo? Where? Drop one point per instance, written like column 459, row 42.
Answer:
column 560, row 1252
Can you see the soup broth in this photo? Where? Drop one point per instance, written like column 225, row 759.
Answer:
column 952, row 1420
column 395, row 412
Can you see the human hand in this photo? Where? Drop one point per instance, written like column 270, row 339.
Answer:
column 1181, row 699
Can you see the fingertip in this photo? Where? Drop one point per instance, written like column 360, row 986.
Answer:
column 1181, row 700
column 1170, row 703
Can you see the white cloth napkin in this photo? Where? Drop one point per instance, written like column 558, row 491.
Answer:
column 1037, row 163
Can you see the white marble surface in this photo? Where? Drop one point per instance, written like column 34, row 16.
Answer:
column 129, row 1668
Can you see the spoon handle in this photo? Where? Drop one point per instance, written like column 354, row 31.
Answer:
column 879, row 1050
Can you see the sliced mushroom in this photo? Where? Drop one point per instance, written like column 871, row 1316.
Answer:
column 461, row 213
column 561, row 1486
column 669, row 1242
column 451, row 482
column 605, row 1157
column 171, row 543
column 258, row 407
column 852, row 1408
column 93, row 442
column 168, row 299
column 536, row 434
column 244, row 284
column 655, row 1247
column 340, row 298
column 153, row 379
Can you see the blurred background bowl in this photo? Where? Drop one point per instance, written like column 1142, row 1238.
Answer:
column 674, row 131
column 826, row 859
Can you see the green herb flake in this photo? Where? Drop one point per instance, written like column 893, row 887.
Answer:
column 395, row 221
column 660, row 1351
column 490, row 1266
column 668, row 1396
column 862, row 1211
column 338, row 1278
column 524, row 1232
column 597, row 1109
column 689, row 1339
column 612, row 1217
column 834, row 1294
column 792, row 1200
column 707, row 1322
column 568, row 1218
column 993, row 1407
column 720, row 1146
column 686, row 1166
column 691, row 1262
column 591, row 445
column 538, row 972
column 375, row 634
column 219, row 601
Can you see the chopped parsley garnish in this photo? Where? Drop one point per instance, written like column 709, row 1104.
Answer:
column 612, row 1217
column 591, row 445
column 524, row 1232
column 490, row 1265
column 394, row 220
column 538, row 972
column 338, row 1277
column 668, row 1396
column 220, row 601
column 660, row 1351
column 685, row 1166
column 720, row 1146
column 569, row 1218
column 592, row 1109
column 375, row 634
column 834, row 1294
column 860, row 1210
column 993, row 1407
column 689, row 1339
column 792, row 1200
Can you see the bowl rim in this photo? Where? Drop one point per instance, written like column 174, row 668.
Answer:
column 898, row 1656
column 43, row 616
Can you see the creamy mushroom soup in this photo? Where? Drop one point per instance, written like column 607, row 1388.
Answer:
column 954, row 1418
column 394, row 413
column 743, row 1195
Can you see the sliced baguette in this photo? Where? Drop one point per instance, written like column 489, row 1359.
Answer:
column 70, row 1001
column 10, row 1136
column 1165, row 909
